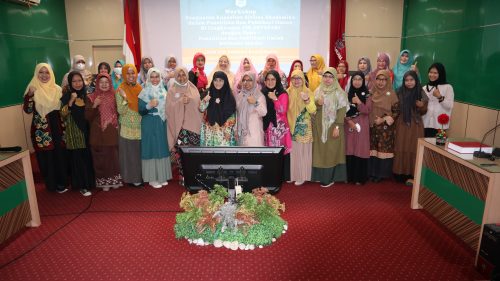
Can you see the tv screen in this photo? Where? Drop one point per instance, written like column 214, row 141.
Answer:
column 249, row 167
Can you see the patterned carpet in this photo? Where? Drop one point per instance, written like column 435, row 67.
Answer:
column 345, row 232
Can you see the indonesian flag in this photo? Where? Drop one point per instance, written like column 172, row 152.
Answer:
column 131, row 36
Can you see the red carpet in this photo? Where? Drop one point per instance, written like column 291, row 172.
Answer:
column 345, row 232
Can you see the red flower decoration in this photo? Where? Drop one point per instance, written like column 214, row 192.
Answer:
column 443, row 119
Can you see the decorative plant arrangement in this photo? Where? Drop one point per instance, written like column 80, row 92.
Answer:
column 441, row 137
column 250, row 220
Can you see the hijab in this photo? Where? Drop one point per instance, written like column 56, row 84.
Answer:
column 295, row 103
column 441, row 75
column 202, row 80
column 343, row 81
column 227, row 71
column 132, row 90
column 117, row 82
column 362, row 93
column 245, row 107
column 292, row 69
column 143, row 73
column 334, row 98
column 241, row 71
column 222, row 104
column 107, row 108
column 270, row 117
column 157, row 92
column 368, row 65
column 47, row 96
column 277, row 65
column 313, row 75
column 400, row 69
column 77, row 112
column 86, row 74
column 373, row 74
column 409, row 97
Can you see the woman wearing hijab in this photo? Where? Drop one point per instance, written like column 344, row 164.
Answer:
column 300, row 108
column 277, row 131
column 78, row 64
column 383, row 63
column 245, row 65
column 357, row 131
column 385, row 110
column 102, row 68
column 251, row 105
column 409, row 126
column 42, row 97
column 197, row 74
column 343, row 74
column 116, row 74
column 100, row 111
column 129, row 141
column 404, row 65
column 272, row 63
column 146, row 64
column 365, row 66
column 225, row 66
column 314, row 74
column 183, row 115
column 156, row 168
column 77, row 134
column 169, row 71
column 328, row 131
column 441, row 97
column 296, row 64
column 220, row 113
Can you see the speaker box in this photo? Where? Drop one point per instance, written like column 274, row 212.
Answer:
column 489, row 253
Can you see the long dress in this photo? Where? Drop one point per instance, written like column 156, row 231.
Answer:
column 215, row 135
column 255, row 135
column 50, row 149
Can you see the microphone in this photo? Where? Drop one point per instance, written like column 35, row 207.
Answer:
column 480, row 153
column 10, row 149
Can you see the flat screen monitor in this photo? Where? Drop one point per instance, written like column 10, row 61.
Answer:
column 251, row 167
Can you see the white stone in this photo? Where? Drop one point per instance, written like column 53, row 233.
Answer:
column 234, row 245
column 190, row 241
column 284, row 231
column 285, row 226
column 207, row 243
column 247, row 247
column 242, row 246
column 218, row 243
column 227, row 244
column 260, row 246
column 251, row 247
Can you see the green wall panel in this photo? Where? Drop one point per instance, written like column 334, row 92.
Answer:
column 465, row 37
column 29, row 36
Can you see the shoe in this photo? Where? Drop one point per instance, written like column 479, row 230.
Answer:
column 289, row 181
column 327, row 185
column 61, row 190
column 137, row 184
column 409, row 182
column 297, row 183
column 106, row 188
column 85, row 192
column 164, row 183
column 358, row 183
column 155, row 184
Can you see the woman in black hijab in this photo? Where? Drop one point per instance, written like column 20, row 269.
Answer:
column 220, row 107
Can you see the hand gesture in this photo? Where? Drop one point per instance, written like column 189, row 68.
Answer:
column 122, row 93
column 351, row 124
column 436, row 93
column 379, row 120
column 153, row 103
column 389, row 120
column 97, row 102
column 304, row 96
column 414, row 67
column 207, row 98
column 197, row 72
column 321, row 100
column 251, row 100
column 31, row 91
column 419, row 103
column 356, row 99
column 272, row 95
column 72, row 99
column 336, row 132
column 185, row 99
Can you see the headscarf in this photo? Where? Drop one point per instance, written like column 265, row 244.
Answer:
column 86, row 74
column 382, row 99
column 313, row 75
column 157, row 92
column 362, row 93
column 144, row 73
column 47, row 96
column 441, row 74
column 373, row 74
column 292, row 69
column 270, row 117
column 117, row 82
column 334, row 98
column 343, row 81
column 131, row 90
column 245, row 107
column 277, row 65
column 227, row 71
column 107, row 108
column 77, row 112
column 295, row 102
column 202, row 81
column 182, row 116
column 368, row 65
column 241, row 71
column 219, row 112
column 167, row 70
column 400, row 69
column 409, row 97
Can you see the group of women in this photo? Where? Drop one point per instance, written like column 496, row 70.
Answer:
column 124, row 126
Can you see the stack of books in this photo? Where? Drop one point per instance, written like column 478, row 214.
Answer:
column 468, row 147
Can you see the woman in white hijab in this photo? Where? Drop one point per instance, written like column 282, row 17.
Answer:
column 78, row 64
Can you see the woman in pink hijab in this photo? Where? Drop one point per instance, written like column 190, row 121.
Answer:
column 272, row 63
column 245, row 65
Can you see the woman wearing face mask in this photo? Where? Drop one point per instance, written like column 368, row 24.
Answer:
column 79, row 65
column 42, row 98
column 272, row 63
column 356, row 130
column 102, row 68
column 77, row 134
column 245, row 65
column 156, row 167
column 225, row 66
column 328, row 131
column 409, row 126
column 220, row 113
column 146, row 64
column 116, row 74
column 183, row 115
column 100, row 111
column 275, row 123
column 129, row 141
column 197, row 74
column 300, row 109
column 169, row 71
column 251, row 105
